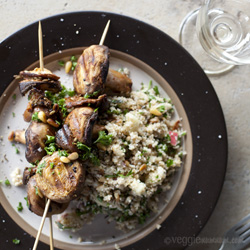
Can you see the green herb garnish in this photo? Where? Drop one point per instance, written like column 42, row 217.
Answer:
column 27, row 201
column 161, row 108
column 150, row 84
column 40, row 168
column 16, row 241
column 62, row 153
column 51, row 148
column 50, row 139
column 7, row 182
column 35, row 117
column 104, row 138
column 170, row 162
column 156, row 90
column 20, row 207
column 61, row 63
column 118, row 174
column 17, row 150
column 73, row 59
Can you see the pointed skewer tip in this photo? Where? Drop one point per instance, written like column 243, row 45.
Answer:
column 104, row 33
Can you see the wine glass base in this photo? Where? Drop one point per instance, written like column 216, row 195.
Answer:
column 189, row 40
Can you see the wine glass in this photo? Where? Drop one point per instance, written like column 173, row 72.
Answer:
column 223, row 31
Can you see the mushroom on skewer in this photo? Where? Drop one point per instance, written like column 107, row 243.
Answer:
column 42, row 79
column 59, row 179
column 39, row 102
column 91, row 70
column 36, row 136
column 37, row 201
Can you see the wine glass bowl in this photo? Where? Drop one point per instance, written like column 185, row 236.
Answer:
column 223, row 31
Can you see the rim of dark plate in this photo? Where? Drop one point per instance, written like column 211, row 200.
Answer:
column 183, row 73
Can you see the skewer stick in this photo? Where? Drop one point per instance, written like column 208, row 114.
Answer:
column 40, row 40
column 51, row 241
column 104, row 33
column 41, row 225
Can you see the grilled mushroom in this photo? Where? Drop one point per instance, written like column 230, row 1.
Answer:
column 51, row 85
column 117, row 84
column 38, row 79
column 39, row 102
column 35, row 140
column 81, row 122
column 39, row 73
column 65, row 139
column 37, row 201
column 91, row 70
column 18, row 136
column 61, row 182
column 28, row 173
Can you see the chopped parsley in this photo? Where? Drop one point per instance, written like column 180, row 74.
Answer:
column 52, row 164
column 14, row 97
column 27, row 201
column 170, row 162
column 150, row 84
column 104, row 138
column 13, row 114
column 95, row 93
column 17, row 150
column 118, row 174
column 50, row 149
column 87, row 154
column 62, row 153
column 20, row 207
column 35, row 117
column 82, row 146
column 161, row 108
column 61, row 63
column 16, row 241
column 156, row 90
column 73, row 59
column 36, row 190
column 58, row 98
column 50, row 139
column 40, row 168
column 7, row 182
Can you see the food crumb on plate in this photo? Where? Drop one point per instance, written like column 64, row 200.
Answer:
column 16, row 177
column 117, row 247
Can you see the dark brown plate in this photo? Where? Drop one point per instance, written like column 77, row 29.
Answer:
column 178, row 68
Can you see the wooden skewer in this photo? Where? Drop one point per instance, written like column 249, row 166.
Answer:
column 40, row 40
column 51, row 241
column 104, row 33
column 41, row 225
